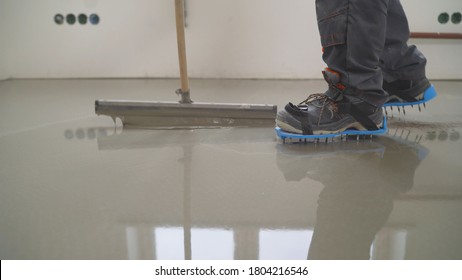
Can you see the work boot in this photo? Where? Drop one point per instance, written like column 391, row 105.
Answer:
column 406, row 90
column 339, row 109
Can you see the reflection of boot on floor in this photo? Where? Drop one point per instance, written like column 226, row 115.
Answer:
column 355, row 205
column 297, row 162
column 360, row 186
column 399, row 163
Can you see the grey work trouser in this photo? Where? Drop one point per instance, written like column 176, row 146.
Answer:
column 366, row 42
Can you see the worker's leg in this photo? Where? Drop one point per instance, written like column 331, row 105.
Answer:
column 403, row 66
column 353, row 36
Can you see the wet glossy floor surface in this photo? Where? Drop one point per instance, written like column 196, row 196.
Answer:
column 74, row 186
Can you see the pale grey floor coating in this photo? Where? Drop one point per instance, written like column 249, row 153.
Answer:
column 73, row 186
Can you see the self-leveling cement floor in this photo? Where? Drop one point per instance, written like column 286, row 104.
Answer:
column 74, row 186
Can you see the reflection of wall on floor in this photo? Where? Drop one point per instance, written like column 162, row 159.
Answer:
column 389, row 244
column 168, row 243
column 217, row 243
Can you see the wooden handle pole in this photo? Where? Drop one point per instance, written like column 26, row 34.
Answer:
column 184, row 90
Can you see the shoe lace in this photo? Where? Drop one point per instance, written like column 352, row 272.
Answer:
column 326, row 101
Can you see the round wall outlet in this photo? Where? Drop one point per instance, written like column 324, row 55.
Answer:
column 59, row 19
column 443, row 18
column 456, row 18
column 94, row 19
column 70, row 19
column 83, row 19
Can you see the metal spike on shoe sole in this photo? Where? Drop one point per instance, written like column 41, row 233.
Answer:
column 293, row 137
column 429, row 94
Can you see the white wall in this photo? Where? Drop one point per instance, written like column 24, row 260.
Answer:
column 3, row 66
column 444, row 59
column 225, row 38
column 131, row 40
